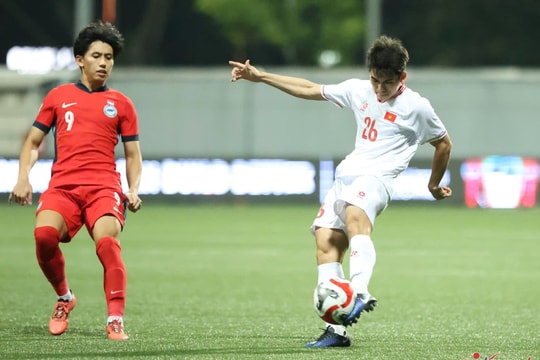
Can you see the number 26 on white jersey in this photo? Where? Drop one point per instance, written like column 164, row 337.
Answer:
column 370, row 133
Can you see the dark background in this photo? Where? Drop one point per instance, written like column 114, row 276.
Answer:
column 444, row 33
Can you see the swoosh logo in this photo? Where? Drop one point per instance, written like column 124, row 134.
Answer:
column 116, row 292
column 64, row 105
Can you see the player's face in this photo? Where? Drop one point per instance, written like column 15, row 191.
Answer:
column 96, row 64
column 385, row 86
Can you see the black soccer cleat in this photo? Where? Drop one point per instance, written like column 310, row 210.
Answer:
column 330, row 339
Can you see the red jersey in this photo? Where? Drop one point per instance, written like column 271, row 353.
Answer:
column 86, row 126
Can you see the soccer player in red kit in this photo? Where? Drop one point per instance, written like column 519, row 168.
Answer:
column 87, row 119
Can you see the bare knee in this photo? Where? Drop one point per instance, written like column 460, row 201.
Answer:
column 331, row 245
column 106, row 226
column 357, row 221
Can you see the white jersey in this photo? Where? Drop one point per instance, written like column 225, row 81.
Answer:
column 388, row 134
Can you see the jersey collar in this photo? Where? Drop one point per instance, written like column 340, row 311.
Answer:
column 81, row 86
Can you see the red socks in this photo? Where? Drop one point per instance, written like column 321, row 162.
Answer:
column 114, row 282
column 51, row 261
column 50, row 258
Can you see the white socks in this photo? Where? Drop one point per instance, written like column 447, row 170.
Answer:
column 66, row 297
column 361, row 263
column 110, row 319
column 327, row 271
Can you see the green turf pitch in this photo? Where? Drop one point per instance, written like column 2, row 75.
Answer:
column 236, row 282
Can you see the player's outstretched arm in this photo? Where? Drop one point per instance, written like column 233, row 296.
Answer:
column 441, row 157
column 294, row 86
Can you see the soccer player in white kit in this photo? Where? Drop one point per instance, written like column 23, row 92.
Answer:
column 392, row 120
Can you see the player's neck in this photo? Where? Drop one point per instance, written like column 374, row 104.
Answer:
column 93, row 86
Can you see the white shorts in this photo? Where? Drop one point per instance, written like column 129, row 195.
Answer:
column 366, row 192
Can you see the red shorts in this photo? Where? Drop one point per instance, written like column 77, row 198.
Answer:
column 84, row 205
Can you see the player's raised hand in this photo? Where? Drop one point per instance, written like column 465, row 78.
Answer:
column 21, row 194
column 134, row 203
column 244, row 71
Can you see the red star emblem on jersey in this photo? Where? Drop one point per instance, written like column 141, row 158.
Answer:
column 390, row 116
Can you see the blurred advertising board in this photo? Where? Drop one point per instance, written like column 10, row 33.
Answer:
column 212, row 178
column 504, row 182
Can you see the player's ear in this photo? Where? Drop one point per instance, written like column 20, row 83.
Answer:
column 79, row 61
column 403, row 76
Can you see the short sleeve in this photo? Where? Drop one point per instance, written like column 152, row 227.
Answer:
column 46, row 115
column 432, row 127
column 342, row 94
column 129, row 123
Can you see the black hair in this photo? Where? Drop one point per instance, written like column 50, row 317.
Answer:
column 387, row 56
column 102, row 31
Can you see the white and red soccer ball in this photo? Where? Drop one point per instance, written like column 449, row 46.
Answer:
column 334, row 300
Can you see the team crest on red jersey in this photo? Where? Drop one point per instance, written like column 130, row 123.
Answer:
column 110, row 110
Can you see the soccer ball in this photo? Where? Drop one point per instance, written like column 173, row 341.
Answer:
column 334, row 300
